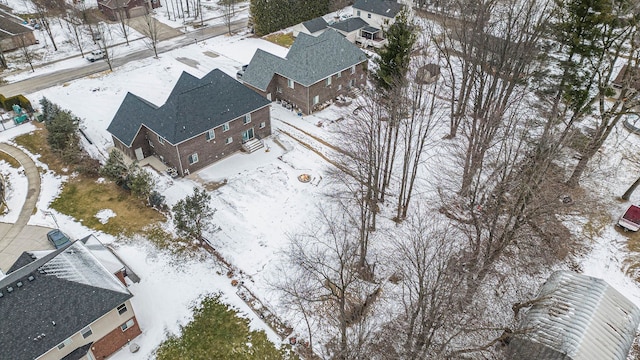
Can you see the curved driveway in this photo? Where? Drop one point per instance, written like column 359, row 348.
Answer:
column 18, row 237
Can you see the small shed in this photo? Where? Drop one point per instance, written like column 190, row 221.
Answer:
column 576, row 317
column 313, row 27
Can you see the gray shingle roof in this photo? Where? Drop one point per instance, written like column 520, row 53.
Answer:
column 316, row 24
column 578, row 317
column 309, row 60
column 350, row 24
column 381, row 7
column 193, row 107
column 69, row 290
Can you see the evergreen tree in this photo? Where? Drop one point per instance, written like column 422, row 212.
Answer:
column 140, row 182
column 114, row 169
column 394, row 57
column 49, row 109
column 63, row 133
column 193, row 214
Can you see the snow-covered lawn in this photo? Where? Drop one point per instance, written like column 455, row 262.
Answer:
column 262, row 202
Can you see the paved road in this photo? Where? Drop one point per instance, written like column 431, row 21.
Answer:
column 45, row 81
column 19, row 237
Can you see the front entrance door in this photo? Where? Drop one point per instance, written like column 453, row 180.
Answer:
column 247, row 135
column 139, row 154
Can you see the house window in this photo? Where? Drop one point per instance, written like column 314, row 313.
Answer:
column 368, row 16
column 316, row 99
column 127, row 325
column 386, row 21
column 247, row 119
column 229, row 140
column 86, row 332
column 211, row 134
column 339, row 74
column 290, row 83
column 262, row 125
column 329, row 81
column 122, row 309
column 225, row 127
column 352, row 83
column 64, row 343
column 353, row 69
column 160, row 140
column 193, row 158
column 279, row 90
column 339, row 87
column 358, row 12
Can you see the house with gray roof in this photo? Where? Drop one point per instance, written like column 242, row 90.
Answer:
column 203, row 121
column 114, row 10
column 315, row 71
column 64, row 305
column 576, row 317
column 313, row 27
column 379, row 15
column 13, row 34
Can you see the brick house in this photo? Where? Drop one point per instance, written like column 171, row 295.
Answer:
column 316, row 70
column 202, row 121
column 12, row 32
column 65, row 305
column 114, row 9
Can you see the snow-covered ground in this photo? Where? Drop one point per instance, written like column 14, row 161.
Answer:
column 262, row 202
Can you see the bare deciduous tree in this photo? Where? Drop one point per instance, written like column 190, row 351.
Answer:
column 228, row 12
column 151, row 31
column 27, row 54
column 325, row 282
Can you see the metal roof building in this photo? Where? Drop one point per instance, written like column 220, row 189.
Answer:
column 576, row 317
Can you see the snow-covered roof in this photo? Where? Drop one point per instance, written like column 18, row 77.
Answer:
column 577, row 317
column 52, row 298
column 103, row 254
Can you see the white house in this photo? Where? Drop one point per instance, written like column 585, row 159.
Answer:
column 379, row 15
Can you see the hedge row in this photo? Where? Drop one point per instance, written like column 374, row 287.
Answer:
column 7, row 103
column 272, row 15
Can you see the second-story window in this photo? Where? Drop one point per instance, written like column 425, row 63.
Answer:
column 247, row 119
column 225, row 127
column 211, row 134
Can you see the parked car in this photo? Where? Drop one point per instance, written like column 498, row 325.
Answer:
column 96, row 55
column 58, row 238
column 631, row 219
column 240, row 72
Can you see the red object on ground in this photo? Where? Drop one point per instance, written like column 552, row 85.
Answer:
column 631, row 219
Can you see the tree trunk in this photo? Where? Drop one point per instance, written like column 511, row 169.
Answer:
column 631, row 189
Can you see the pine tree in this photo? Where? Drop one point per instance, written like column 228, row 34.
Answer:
column 394, row 57
column 114, row 169
column 192, row 215
column 63, row 132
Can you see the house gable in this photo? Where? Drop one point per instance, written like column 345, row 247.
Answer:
column 309, row 60
column 194, row 106
column 52, row 299
column 315, row 25
column 350, row 25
